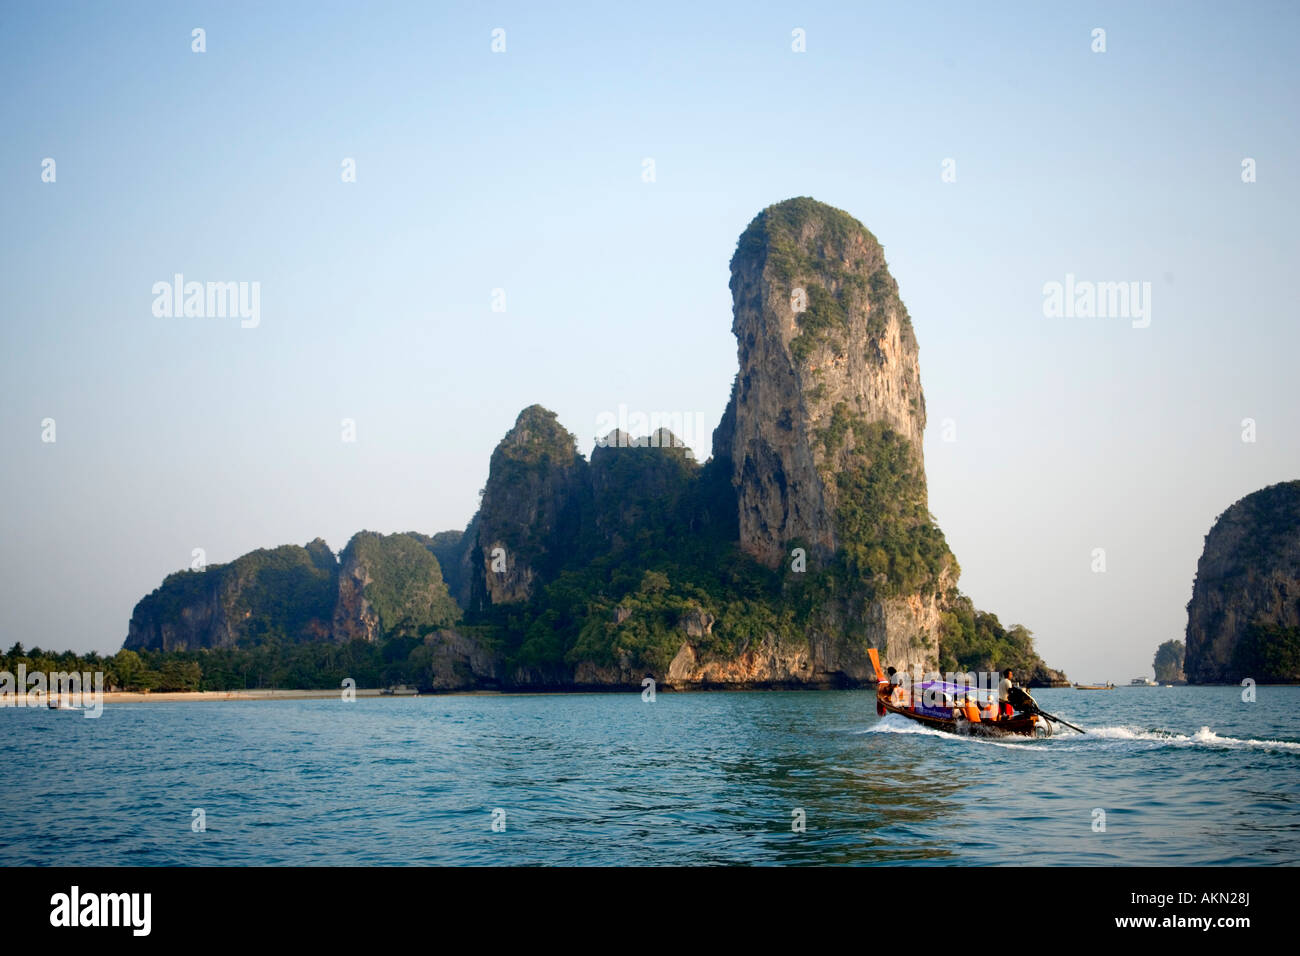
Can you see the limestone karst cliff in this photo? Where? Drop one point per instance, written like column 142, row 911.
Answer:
column 824, row 430
column 805, row 539
column 528, row 513
column 385, row 588
column 287, row 591
column 802, row 542
column 1244, row 616
column 390, row 585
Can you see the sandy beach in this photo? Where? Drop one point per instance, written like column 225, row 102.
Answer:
column 135, row 697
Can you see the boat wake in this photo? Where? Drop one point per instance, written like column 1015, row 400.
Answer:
column 894, row 724
column 1205, row 737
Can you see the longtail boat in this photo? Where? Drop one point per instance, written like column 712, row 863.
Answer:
column 954, row 708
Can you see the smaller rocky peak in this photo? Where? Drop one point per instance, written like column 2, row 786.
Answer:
column 322, row 556
column 537, row 437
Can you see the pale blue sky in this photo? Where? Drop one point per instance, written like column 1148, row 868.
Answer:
column 522, row 171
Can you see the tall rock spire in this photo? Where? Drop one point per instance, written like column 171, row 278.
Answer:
column 826, row 351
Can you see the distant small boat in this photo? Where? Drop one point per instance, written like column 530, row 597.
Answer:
column 1142, row 682
column 1106, row 686
column 57, row 702
column 400, row 690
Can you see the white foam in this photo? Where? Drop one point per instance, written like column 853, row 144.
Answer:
column 1205, row 737
column 897, row 724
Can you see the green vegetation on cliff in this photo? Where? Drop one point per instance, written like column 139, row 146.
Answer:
column 1269, row 651
column 887, row 535
column 975, row 641
column 654, row 563
column 824, row 320
column 288, row 617
column 447, row 547
column 657, row 547
column 404, row 584
column 284, row 593
column 659, row 558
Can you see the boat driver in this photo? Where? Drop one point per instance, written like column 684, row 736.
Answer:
column 1005, row 710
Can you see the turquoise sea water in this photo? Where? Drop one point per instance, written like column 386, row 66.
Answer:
column 1183, row 775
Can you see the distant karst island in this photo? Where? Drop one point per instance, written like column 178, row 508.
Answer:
column 804, row 540
column 1243, row 620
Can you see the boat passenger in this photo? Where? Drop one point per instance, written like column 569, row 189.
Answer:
column 897, row 694
column 1005, row 710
